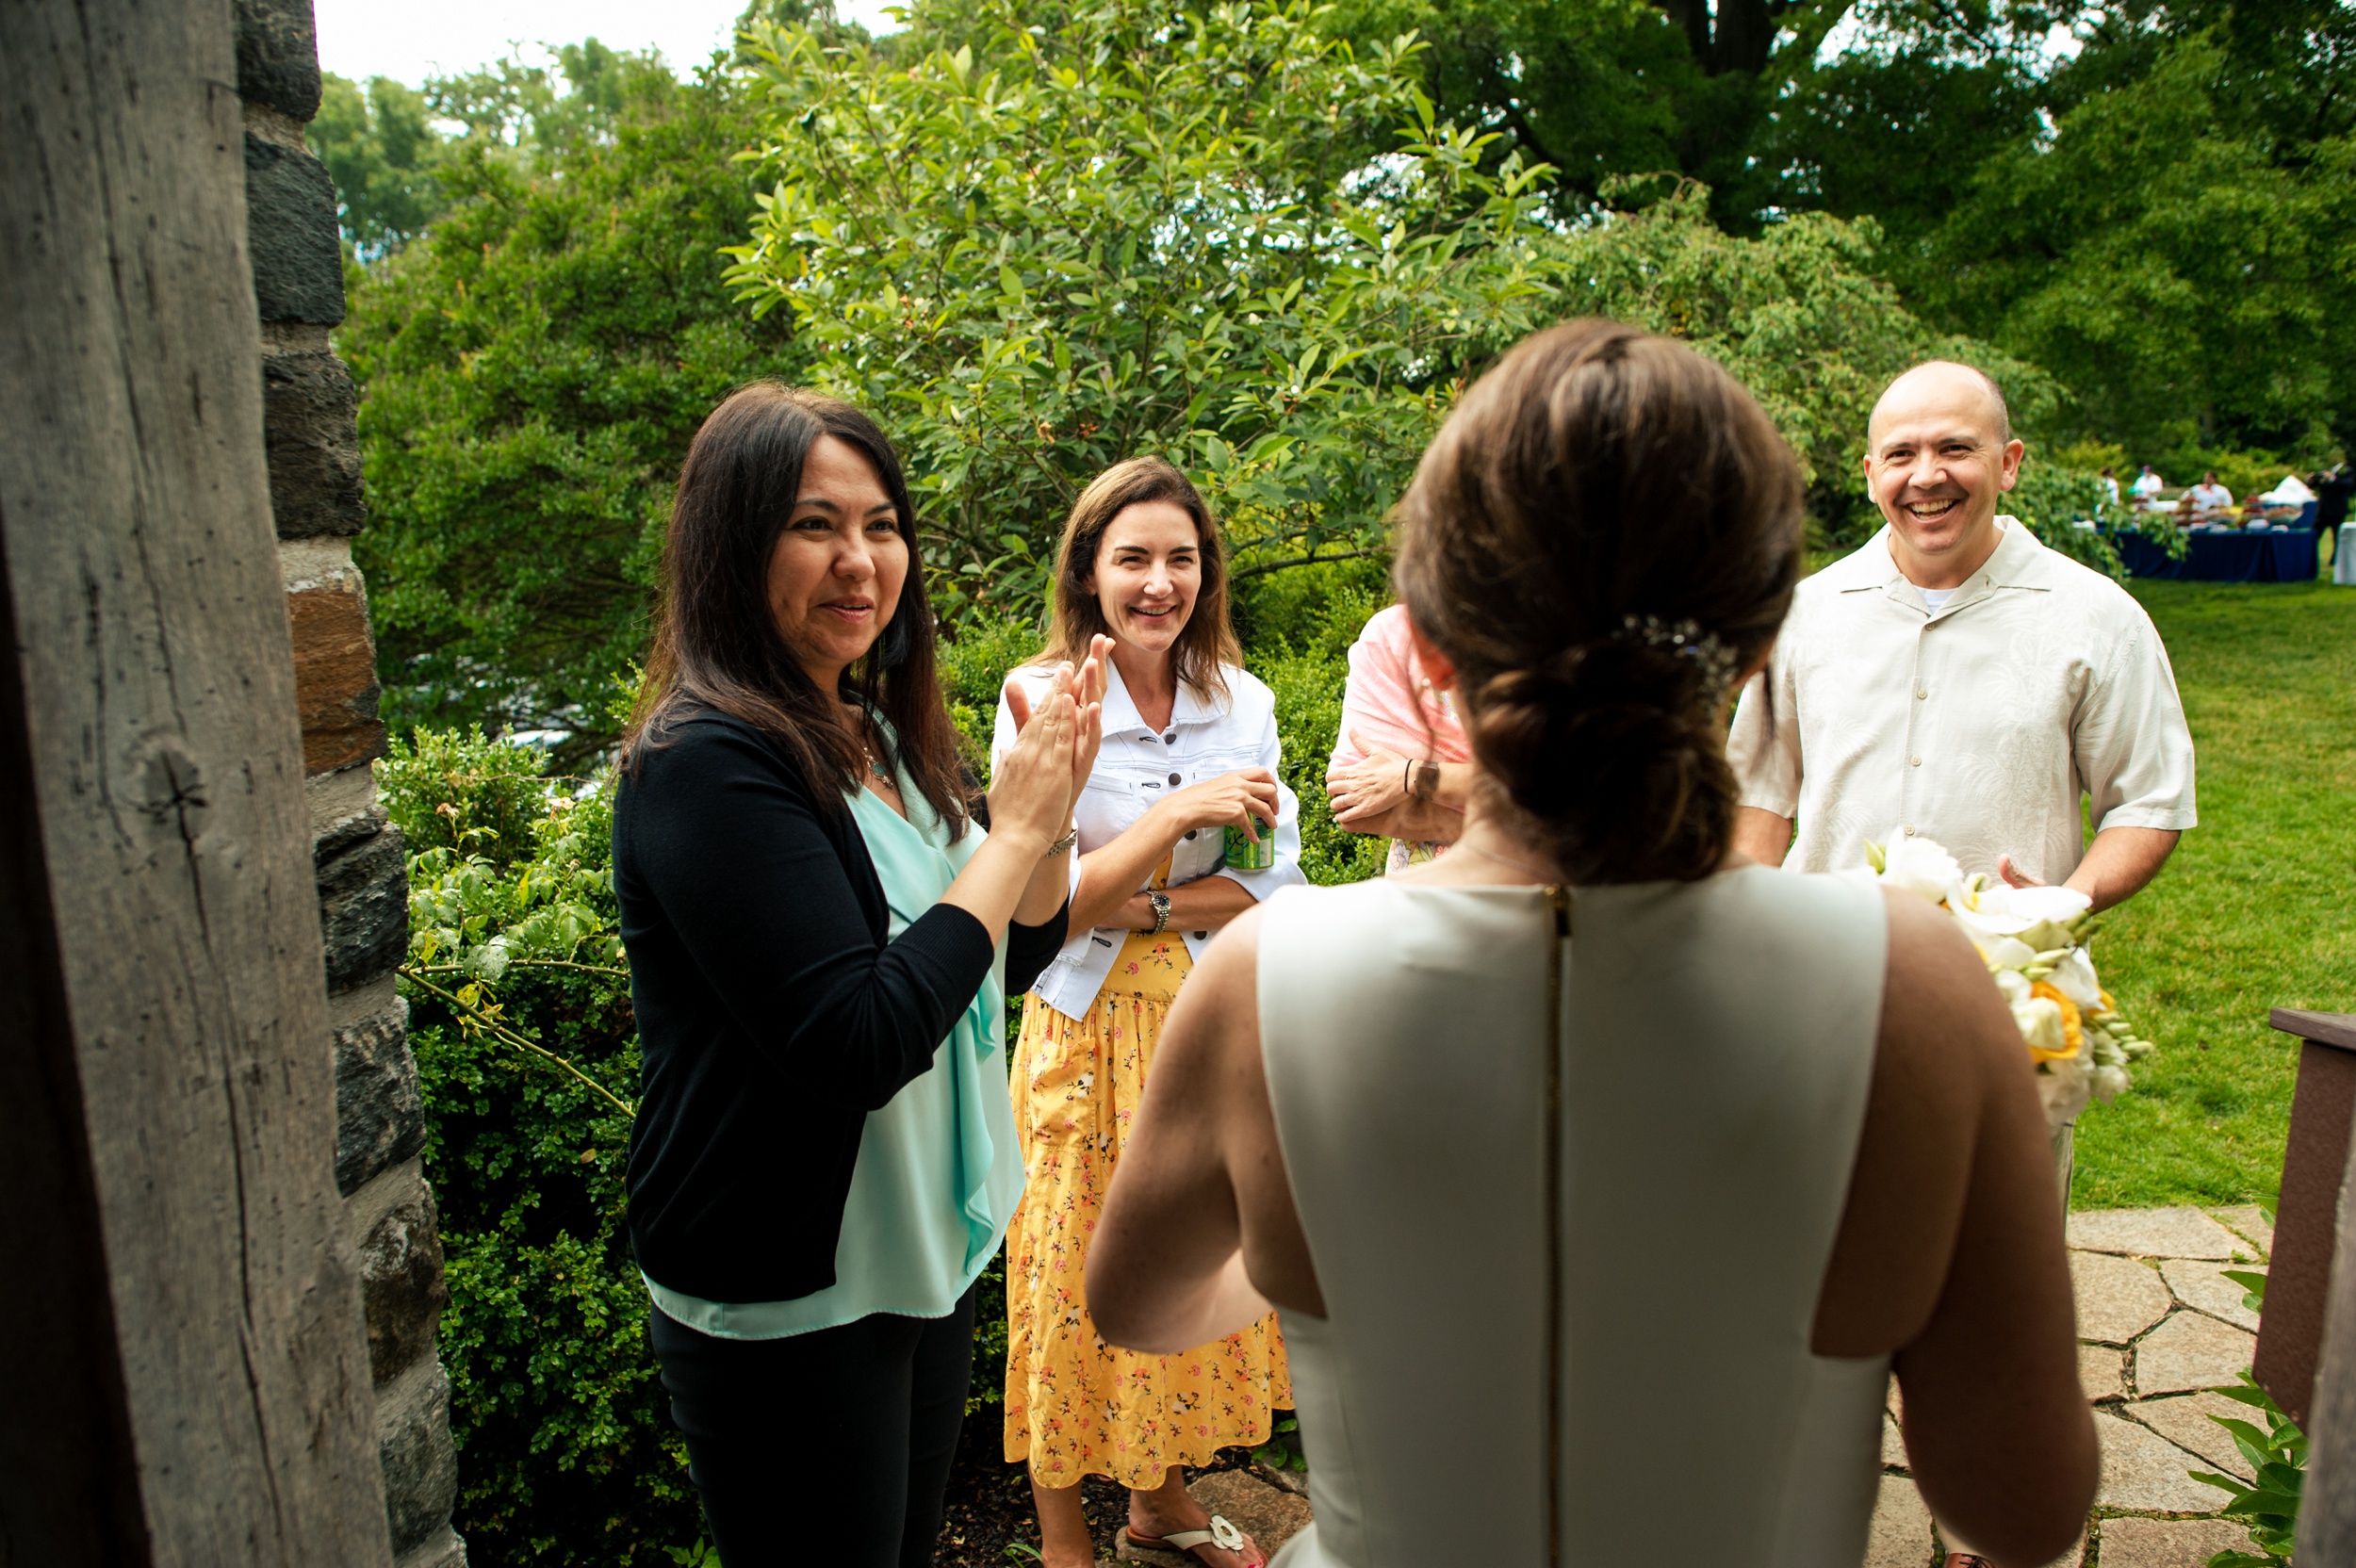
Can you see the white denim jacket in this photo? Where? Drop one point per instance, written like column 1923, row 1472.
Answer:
column 1206, row 736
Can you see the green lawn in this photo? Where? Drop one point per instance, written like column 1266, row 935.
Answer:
column 2253, row 911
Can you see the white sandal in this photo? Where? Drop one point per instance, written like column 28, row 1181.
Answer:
column 1221, row 1534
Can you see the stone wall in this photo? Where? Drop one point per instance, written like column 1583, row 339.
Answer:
column 310, row 408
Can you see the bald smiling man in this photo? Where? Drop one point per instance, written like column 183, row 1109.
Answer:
column 1956, row 681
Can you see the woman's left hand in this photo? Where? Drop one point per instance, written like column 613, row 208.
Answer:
column 1366, row 788
column 1088, row 684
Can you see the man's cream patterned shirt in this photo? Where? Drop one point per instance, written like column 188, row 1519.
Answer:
column 1979, row 726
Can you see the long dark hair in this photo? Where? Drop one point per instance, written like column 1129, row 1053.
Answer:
column 1597, row 490
column 1207, row 641
column 715, row 643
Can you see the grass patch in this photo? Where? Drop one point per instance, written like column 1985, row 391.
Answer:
column 2252, row 910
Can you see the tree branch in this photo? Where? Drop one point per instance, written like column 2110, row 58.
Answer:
column 474, row 1017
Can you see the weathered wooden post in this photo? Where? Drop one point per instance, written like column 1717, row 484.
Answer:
column 2307, row 1337
column 2307, row 1216
column 187, row 1380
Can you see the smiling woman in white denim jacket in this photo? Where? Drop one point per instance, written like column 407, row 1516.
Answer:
column 1190, row 750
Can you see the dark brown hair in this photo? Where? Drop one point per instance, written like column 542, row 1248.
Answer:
column 1600, row 474
column 1208, row 639
column 715, row 643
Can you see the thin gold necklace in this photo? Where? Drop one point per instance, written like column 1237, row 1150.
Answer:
column 866, row 722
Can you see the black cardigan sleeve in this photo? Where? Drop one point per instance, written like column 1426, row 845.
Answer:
column 1029, row 948
column 733, row 847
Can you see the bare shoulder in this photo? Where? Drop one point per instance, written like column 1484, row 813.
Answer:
column 1937, row 992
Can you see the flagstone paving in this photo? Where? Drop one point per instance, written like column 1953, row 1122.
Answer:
column 2160, row 1325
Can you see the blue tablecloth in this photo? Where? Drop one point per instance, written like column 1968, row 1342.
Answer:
column 2280, row 556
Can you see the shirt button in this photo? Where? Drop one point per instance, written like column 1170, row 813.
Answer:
column 1190, row 832
column 1170, row 739
column 1914, row 761
column 1908, row 830
column 1921, row 694
column 1173, row 778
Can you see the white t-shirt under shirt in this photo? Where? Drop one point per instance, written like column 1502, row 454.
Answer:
column 1936, row 598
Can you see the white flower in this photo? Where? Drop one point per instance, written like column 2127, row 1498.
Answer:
column 2074, row 978
column 1919, row 866
column 2109, row 1083
column 2063, row 1087
column 1999, row 910
column 2059, row 904
column 2040, row 1021
column 1985, row 912
column 2008, row 953
column 2014, row 986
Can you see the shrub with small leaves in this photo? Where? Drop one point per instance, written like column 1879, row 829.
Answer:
column 528, row 1056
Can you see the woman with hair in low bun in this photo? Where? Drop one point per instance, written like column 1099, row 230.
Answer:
column 1595, row 1140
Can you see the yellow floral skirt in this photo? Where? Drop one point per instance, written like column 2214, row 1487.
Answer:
column 1076, row 1406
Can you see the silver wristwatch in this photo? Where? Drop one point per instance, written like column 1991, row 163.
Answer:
column 1160, row 901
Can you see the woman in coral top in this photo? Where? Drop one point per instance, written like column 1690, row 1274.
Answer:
column 1402, row 767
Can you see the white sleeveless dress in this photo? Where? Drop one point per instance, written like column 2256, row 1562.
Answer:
column 1654, row 1403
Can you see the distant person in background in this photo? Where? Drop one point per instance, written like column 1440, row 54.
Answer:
column 2110, row 487
column 1191, row 755
column 2148, row 485
column 2210, row 500
column 1401, row 766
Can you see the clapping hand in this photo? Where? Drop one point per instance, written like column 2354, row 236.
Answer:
column 1085, row 689
column 1031, row 789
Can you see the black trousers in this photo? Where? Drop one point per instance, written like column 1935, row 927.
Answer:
column 828, row 1447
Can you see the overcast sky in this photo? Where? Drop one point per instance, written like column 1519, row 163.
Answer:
column 409, row 39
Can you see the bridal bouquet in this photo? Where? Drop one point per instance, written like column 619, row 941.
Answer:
column 2034, row 941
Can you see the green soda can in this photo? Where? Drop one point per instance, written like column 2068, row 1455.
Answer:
column 1243, row 855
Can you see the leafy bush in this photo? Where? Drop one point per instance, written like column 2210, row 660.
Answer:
column 2054, row 500
column 1139, row 228
column 2277, row 1458
column 533, row 370
column 451, row 790
column 528, row 1056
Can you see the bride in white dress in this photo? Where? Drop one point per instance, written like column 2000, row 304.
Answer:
column 1602, row 1176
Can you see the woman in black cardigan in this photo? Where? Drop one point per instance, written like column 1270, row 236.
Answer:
column 821, row 938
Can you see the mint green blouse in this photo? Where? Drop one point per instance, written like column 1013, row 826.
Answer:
column 939, row 1170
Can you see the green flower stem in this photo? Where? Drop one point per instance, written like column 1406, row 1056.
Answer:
column 475, row 1017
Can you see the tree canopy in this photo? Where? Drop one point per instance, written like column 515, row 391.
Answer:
column 1271, row 240
column 533, row 370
